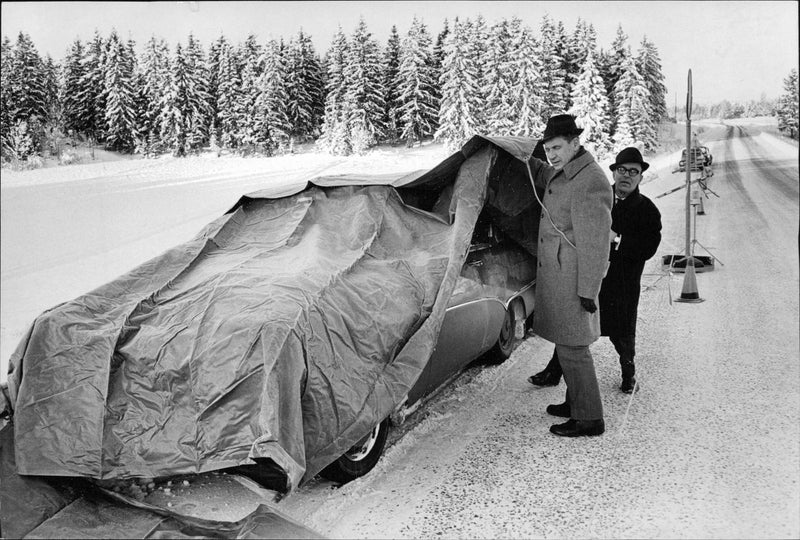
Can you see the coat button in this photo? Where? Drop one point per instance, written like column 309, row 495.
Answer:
column 540, row 265
column 541, row 240
column 550, row 190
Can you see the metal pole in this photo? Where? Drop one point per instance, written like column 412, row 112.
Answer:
column 687, row 161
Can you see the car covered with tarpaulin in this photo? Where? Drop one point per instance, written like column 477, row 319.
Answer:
column 279, row 336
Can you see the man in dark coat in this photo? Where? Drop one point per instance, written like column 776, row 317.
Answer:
column 572, row 260
column 635, row 236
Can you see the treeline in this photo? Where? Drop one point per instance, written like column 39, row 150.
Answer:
column 253, row 97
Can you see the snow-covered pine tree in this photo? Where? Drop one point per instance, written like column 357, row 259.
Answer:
column 649, row 65
column 364, row 90
column 91, row 97
column 611, row 67
column 272, row 119
column 27, row 92
column 155, row 79
column 418, row 109
column 478, row 33
column 175, row 110
column 553, row 82
column 634, row 122
column 526, row 89
column 212, row 82
column 250, row 62
column 304, row 87
column 438, row 58
column 561, row 42
column 391, row 67
column 497, row 81
column 787, row 109
column 120, row 103
column 335, row 137
column 5, row 96
column 228, row 98
column 459, row 83
column 589, row 105
column 197, row 95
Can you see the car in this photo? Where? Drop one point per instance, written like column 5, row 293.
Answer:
column 285, row 336
column 700, row 157
column 487, row 316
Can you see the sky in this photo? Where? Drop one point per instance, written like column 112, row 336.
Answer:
column 736, row 50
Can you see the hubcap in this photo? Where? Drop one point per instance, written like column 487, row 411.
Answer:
column 362, row 448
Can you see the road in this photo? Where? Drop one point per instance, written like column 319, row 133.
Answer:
column 708, row 448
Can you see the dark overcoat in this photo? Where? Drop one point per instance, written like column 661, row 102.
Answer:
column 578, row 199
column 638, row 221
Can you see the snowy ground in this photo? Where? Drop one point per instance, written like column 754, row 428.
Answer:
column 710, row 448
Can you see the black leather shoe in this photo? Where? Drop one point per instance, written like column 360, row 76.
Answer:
column 545, row 378
column 578, row 428
column 562, row 410
column 628, row 385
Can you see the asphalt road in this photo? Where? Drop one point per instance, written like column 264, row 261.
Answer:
column 709, row 448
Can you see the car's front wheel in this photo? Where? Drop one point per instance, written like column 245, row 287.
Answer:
column 361, row 458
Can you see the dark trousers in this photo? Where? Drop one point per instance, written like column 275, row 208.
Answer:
column 583, row 392
column 626, row 349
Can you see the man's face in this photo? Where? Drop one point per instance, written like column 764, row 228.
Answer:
column 560, row 151
column 626, row 183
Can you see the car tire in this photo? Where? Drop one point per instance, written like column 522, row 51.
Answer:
column 361, row 458
column 507, row 341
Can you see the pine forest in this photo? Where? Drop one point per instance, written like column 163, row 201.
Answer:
column 262, row 98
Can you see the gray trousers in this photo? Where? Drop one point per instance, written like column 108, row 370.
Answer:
column 583, row 392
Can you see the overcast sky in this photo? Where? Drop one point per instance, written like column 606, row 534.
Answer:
column 736, row 50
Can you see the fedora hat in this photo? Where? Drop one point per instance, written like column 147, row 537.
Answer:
column 561, row 125
column 629, row 155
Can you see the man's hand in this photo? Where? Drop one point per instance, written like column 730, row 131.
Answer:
column 611, row 235
column 588, row 304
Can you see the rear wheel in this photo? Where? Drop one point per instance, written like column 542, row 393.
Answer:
column 507, row 341
column 361, row 458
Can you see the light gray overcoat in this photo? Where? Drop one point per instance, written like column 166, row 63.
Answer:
column 579, row 200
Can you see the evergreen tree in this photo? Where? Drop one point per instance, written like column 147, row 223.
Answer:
column 251, row 68
column 91, row 97
column 28, row 84
column 120, row 104
column 497, row 80
column 611, row 67
column 418, row 109
column 6, row 102
column 553, row 75
column 198, row 98
column 364, row 90
column 391, row 84
column 787, row 110
column 478, row 45
column 228, row 99
column 438, row 58
column 634, row 122
column 175, row 110
column 589, row 105
column 459, row 83
column 649, row 65
column 272, row 119
column 154, row 77
column 527, row 86
column 304, row 87
column 335, row 137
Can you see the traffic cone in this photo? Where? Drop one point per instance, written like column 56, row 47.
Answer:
column 689, row 293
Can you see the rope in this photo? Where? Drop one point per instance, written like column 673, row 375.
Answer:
column 546, row 211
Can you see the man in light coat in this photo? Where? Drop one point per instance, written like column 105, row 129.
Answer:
column 572, row 261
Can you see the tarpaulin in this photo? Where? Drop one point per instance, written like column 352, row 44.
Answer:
column 280, row 335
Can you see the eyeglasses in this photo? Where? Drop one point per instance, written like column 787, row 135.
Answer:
column 631, row 173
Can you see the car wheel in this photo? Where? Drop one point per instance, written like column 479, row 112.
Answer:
column 361, row 458
column 507, row 341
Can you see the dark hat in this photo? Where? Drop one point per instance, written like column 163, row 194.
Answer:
column 561, row 125
column 629, row 155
